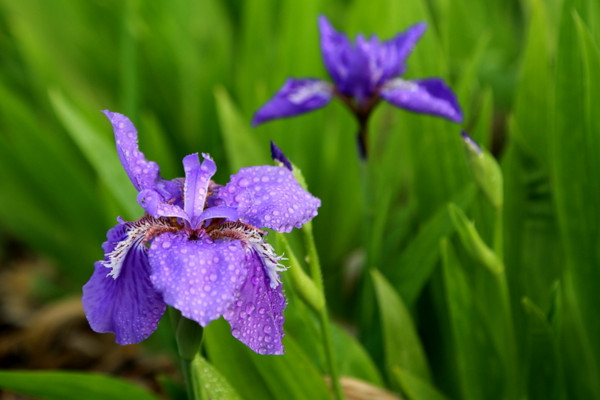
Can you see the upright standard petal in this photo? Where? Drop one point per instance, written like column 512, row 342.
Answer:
column 256, row 315
column 428, row 96
column 195, row 275
column 359, row 80
column 197, row 178
column 297, row 96
column 269, row 197
column 337, row 51
column 124, row 303
column 393, row 53
column 143, row 173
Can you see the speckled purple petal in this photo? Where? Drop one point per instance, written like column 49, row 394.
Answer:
column 228, row 213
column 127, row 305
column 297, row 96
column 269, row 197
column 197, row 277
column 143, row 173
column 154, row 205
column 428, row 96
column 256, row 316
column 197, row 178
column 337, row 51
column 392, row 54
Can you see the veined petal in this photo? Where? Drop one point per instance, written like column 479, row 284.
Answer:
column 269, row 197
column 297, row 96
column 228, row 213
column 143, row 173
column 154, row 205
column 119, row 297
column 429, row 96
column 198, row 277
column 337, row 51
column 393, row 53
column 197, row 178
column 256, row 315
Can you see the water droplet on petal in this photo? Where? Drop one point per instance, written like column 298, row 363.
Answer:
column 213, row 277
column 267, row 329
column 250, row 308
column 243, row 182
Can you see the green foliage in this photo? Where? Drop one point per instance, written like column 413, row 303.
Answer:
column 402, row 270
column 70, row 386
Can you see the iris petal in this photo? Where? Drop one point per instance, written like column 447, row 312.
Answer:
column 198, row 277
column 337, row 51
column 144, row 174
column 197, row 178
column 125, row 304
column 256, row 316
column 428, row 96
column 269, row 197
column 393, row 53
column 297, row 96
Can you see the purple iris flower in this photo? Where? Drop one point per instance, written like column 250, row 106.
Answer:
column 198, row 248
column 363, row 73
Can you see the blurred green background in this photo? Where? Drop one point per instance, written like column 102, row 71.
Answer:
column 190, row 74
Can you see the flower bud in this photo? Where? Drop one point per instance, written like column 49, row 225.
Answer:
column 486, row 171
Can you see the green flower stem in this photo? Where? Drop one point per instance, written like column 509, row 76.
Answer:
column 302, row 283
column 498, row 239
column 317, row 277
column 188, row 336
column 499, row 232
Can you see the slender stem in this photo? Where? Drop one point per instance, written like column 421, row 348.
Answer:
column 188, row 336
column 317, row 277
column 186, row 370
column 513, row 378
column 498, row 233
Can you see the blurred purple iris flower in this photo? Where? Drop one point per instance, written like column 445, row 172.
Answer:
column 198, row 248
column 363, row 73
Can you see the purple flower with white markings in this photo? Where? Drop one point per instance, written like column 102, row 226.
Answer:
column 363, row 73
column 199, row 248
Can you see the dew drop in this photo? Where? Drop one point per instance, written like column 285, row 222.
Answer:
column 250, row 308
column 267, row 329
column 235, row 333
column 166, row 245
column 243, row 182
column 213, row 277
